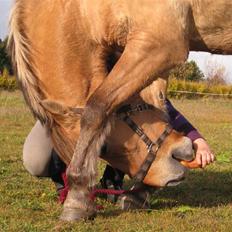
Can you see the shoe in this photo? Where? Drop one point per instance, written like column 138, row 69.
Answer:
column 136, row 200
column 108, row 184
column 111, row 179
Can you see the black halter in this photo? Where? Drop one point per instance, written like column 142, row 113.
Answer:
column 123, row 114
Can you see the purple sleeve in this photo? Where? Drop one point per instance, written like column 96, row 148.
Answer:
column 180, row 123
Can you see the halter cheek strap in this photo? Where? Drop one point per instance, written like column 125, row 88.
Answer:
column 124, row 114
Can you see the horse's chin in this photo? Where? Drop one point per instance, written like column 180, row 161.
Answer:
column 175, row 182
column 187, row 165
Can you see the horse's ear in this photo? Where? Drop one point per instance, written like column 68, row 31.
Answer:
column 155, row 93
column 57, row 108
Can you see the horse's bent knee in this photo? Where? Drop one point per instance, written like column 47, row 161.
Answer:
column 93, row 115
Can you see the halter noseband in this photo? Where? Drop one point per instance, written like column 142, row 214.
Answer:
column 123, row 114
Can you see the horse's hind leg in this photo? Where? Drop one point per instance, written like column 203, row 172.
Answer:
column 136, row 68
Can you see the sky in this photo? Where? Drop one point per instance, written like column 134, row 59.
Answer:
column 4, row 16
column 204, row 60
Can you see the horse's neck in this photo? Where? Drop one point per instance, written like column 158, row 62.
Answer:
column 213, row 26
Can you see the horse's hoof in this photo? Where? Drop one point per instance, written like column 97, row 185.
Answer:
column 76, row 214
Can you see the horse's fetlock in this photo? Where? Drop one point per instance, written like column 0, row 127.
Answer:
column 74, row 176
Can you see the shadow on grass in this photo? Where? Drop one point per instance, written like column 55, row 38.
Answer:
column 201, row 189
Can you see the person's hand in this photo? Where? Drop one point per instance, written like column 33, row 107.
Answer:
column 204, row 155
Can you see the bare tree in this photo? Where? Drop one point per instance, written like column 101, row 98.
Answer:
column 215, row 72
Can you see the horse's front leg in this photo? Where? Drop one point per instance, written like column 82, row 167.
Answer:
column 138, row 66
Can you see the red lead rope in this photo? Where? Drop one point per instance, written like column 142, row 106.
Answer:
column 93, row 193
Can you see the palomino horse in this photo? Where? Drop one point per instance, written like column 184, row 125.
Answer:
column 62, row 50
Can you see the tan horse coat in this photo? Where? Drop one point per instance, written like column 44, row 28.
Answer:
column 62, row 50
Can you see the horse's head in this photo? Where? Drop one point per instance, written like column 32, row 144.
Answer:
column 127, row 151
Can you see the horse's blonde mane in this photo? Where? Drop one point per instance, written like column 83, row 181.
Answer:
column 22, row 57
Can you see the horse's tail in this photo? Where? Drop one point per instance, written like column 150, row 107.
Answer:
column 21, row 53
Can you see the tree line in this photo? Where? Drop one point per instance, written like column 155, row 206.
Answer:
column 4, row 58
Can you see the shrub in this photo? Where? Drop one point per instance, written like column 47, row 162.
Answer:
column 189, row 89
column 7, row 82
column 215, row 73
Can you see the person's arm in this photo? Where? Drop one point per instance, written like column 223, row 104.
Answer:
column 204, row 155
column 180, row 123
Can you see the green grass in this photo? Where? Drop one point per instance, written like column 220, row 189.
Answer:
column 202, row 203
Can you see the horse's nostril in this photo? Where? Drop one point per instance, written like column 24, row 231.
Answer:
column 183, row 156
column 184, row 152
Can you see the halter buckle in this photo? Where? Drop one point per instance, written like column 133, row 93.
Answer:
column 149, row 146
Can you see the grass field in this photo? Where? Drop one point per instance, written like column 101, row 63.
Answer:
column 202, row 203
